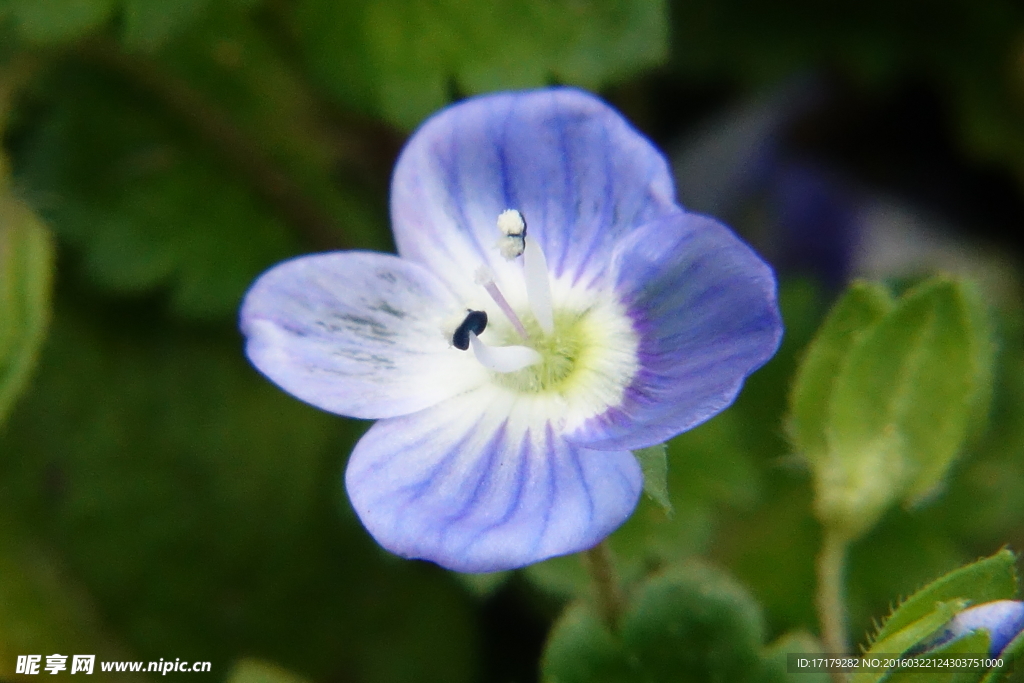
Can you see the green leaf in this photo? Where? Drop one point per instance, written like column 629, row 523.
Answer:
column 146, row 207
column 654, row 464
column 910, row 635
column 258, row 671
column 26, row 274
column 988, row 579
column 52, row 21
column 580, row 649
column 776, row 664
column 694, row 624
column 862, row 305
column 923, row 613
column 138, row 163
column 973, row 644
column 690, row 623
column 944, row 385
column 397, row 58
column 236, row 68
column 898, row 391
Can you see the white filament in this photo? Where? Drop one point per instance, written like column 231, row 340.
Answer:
column 538, row 287
column 485, row 278
column 503, row 358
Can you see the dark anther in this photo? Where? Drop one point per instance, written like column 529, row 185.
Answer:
column 475, row 322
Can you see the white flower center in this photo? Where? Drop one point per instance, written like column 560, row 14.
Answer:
column 575, row 347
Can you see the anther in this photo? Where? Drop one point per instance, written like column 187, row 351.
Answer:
column 514, row 243
column 513, row 233
column 475, row 323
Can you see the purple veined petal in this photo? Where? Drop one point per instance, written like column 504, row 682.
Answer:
column 356, row 333
column 577, row 171
column 483, row 482
column 704, row 306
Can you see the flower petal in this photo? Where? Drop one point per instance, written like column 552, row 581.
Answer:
column 704, row 306
column 483, row 482
column 356, row 333
column 1003, row 619
column 577, row 171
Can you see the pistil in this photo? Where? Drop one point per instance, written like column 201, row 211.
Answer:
column 503, row 359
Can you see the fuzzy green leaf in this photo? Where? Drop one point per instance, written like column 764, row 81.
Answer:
column 885, row 400
column 397, row 58
column 690, row 623
column 974, row 644
column 237, row 69
column 694, row 624
column 988, row 579
column 862, row 305
column 910, row 635
column 146, row 207
column 911, row 384
column 580, row 649
column 776, row 659
column 219, row 169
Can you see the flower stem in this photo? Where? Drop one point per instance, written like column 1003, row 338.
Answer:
column 831, row 597
column 607, row 592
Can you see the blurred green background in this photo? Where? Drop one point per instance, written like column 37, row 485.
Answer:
column 159, row 499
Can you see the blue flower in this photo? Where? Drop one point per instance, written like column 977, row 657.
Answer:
column 1003, row 619
column 551, row 309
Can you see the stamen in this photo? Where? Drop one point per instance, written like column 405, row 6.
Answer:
column 538, row 287
column 475, row 322
column 513, row 231
column 485, row 278
column 503, row 358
